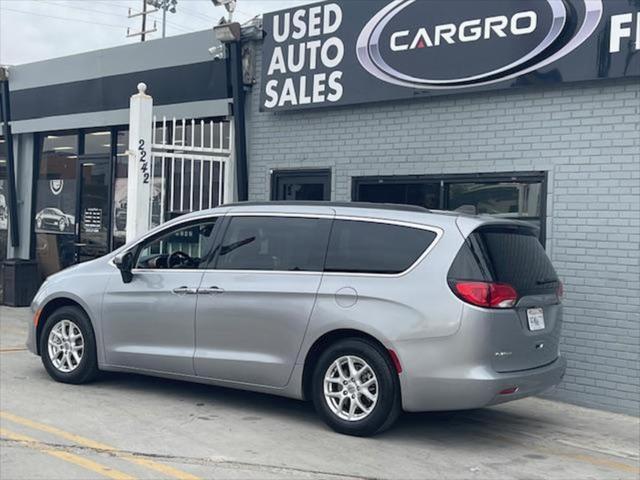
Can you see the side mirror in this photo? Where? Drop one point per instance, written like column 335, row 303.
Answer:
column 124, row 262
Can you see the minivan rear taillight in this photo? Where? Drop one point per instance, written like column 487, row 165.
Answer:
column 485, row 294
column 560, row 291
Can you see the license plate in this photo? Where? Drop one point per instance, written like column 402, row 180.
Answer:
column 535, row 317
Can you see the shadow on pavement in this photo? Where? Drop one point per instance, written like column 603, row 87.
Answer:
column 456, row 427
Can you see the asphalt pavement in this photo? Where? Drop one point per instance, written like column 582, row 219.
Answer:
column 129, row 426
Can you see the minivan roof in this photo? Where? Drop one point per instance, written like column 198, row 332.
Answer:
column 370, row 205
column 463, row 222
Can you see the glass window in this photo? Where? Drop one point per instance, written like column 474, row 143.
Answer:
column 97, row 143
column 366, row 247
column 506, row 254
column 425, row 195
column 518, row 196
column 120, row 189
column 505, row 199
column 180, row 248
column 274, row 243
column 56, row 203
column 4, row 202
column 301, row 185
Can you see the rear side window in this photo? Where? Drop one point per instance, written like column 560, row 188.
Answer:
column 506, row 254
column 274, row 243
column 366, row 247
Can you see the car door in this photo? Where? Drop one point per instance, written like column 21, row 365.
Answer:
column 254, row 306
column 149, row 323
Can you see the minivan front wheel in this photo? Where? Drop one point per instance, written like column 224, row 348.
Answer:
column 355, row 388
column 68, row 346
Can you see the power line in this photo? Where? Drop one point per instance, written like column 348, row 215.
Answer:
column 169, row 22
column 90, row 10
column 183, row 28
column 62, row 18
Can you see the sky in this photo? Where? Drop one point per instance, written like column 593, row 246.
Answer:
column 33, row 30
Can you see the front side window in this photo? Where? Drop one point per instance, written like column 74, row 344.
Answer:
column 366, row 247
column 183, row 247
column 274, row 243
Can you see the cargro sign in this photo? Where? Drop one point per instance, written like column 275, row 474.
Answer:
column 356, row 51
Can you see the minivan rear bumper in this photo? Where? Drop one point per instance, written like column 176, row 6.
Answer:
column 477, row 387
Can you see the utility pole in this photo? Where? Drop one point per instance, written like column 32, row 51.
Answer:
column 144, row 32
column 144, row 21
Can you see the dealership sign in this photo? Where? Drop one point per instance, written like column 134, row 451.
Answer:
column 356, row 51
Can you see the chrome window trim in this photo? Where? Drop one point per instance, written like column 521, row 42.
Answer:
column 402, row 223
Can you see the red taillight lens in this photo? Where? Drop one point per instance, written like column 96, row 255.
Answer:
column 486, row 294
column 560, row 291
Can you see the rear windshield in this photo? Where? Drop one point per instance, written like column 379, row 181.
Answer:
column 506, row 254
column 367, row 247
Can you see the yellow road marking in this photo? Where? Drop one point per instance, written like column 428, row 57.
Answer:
column 87, row 442
column 66, row 456
column 12, row 349
column 623, row 467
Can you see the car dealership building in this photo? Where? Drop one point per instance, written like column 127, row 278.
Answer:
column 524, row 109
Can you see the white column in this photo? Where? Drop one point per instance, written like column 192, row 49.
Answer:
column 139, row 180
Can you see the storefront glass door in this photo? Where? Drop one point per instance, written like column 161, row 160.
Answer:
column 73, row 199
column 92, row 228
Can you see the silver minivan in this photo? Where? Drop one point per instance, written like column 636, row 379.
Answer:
column 366, row 310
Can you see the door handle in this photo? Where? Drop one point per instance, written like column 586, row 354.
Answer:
column 210, row 291
column 185, row 291
column 79, row 244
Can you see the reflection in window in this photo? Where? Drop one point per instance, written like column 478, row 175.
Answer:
column 421, row 194
column 503, row 199
column 120, row 189
column 517, row 197
column 180, row 248
column 56, row 203
column 4, row 207
column 274, row 243
column 97, row 143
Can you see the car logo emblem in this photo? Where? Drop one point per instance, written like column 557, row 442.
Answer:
column 395, row 53
column 56, row 186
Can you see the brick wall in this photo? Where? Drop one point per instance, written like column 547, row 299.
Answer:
column 586, row 136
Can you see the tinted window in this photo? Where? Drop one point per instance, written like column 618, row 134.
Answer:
column 179, row 248
column 274, row 243
column 365, row 247
column 510, row 255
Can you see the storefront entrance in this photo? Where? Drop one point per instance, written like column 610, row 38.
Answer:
column 80, row 209
column 93, row 212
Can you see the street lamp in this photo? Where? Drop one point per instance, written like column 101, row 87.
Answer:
column 229, row 5
column 165, row 5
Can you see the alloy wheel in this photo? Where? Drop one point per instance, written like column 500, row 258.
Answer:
column 65, row 346
column 351, row 388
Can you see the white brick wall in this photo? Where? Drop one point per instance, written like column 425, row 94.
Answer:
column 587, row 136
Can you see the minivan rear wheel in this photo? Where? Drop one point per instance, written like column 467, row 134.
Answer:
column 355, row 388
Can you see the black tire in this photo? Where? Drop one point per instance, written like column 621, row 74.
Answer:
column 87, row 369
column 388, row 406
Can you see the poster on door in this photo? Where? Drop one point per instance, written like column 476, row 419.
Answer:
column 4, row 210
column 56, row 202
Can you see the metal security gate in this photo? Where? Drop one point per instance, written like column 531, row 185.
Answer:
column 189, row 165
